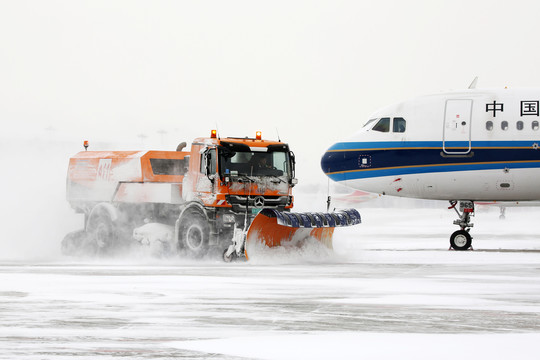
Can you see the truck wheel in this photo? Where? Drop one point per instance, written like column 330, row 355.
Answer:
column 229, row 258
column 194, row 235
column 101, row 234
column 74, row 242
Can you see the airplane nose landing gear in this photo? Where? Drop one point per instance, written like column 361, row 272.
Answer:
column 461, row 239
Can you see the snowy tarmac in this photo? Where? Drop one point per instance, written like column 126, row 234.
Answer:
column 391, row 289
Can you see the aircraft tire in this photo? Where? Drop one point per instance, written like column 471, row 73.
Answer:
column 460, row 240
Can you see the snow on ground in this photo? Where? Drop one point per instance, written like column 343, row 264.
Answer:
column 390, row 289
column 359, row 345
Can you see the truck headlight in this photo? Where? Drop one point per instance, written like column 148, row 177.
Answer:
column 228, row 218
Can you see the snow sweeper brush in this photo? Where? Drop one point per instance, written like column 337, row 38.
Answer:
column 272, row 228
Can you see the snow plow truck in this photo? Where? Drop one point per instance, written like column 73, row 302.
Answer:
column 225, row 194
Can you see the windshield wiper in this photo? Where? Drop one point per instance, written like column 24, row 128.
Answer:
column 244, row 177
column 278, row 179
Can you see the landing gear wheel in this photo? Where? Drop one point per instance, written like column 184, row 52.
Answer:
column 194, row 235
column 461, row 240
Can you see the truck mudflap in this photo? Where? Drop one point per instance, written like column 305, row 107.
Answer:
column 273, row 228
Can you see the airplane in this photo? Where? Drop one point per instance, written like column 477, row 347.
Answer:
column 467, row 146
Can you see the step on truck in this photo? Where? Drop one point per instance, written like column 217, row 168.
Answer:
column 221, row 196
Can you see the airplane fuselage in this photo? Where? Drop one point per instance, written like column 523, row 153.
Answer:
column 480, row 145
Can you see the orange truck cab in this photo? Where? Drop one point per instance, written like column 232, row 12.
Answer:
column 187, row 201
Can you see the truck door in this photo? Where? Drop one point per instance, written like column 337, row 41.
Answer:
column 457, row 126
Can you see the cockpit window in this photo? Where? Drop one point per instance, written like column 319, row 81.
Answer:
column 369, row 123
column 399, row 125
column 383, row 125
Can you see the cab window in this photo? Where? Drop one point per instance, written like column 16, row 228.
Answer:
column 489, row 125
column 279, row 160
column 399, row 125
column 535, row 125
column 383, row 125
column 369, row 123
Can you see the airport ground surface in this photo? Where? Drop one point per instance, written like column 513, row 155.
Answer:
column 391, row 289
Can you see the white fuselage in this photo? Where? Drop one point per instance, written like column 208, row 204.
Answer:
column 480, row 145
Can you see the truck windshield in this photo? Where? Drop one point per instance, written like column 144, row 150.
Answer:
column 274, row 163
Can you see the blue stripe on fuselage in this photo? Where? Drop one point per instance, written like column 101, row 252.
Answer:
column 381, row 145
column 345, row 160
column 364, row 173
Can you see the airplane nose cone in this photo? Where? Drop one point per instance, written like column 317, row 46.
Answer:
column 326, row 162
column 332, row 162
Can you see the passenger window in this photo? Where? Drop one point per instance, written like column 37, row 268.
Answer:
column 383, row 125
column 399, row 125
column 535, row 125
column 489, row 125
column 504, row 125
column 519, row 125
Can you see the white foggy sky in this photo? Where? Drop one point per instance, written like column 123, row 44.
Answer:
column 315, row 70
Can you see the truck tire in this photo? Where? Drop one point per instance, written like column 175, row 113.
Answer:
column 194, row 234
column 101, row 234
column 74, row 243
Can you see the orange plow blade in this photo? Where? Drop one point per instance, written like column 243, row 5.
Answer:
column 272, row 228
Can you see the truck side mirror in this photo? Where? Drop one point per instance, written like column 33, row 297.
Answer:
column 208, row 168
column 207, row 165
column 293, row 163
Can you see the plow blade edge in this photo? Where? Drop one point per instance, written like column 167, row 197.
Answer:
column 275, row 228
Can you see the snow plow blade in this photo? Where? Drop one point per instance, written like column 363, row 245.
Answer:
column 275, row 228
